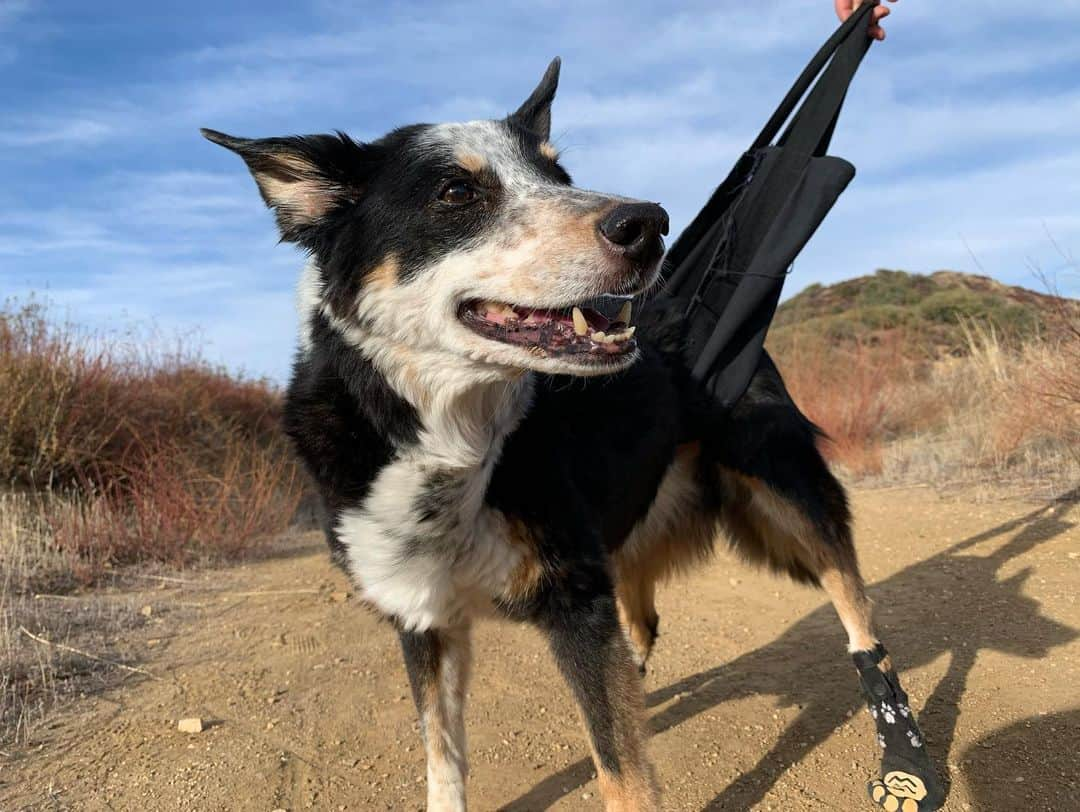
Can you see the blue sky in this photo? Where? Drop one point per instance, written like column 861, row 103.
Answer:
column 964, row 130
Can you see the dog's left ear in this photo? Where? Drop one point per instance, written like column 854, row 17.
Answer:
column 535, row 113
column 303, row 177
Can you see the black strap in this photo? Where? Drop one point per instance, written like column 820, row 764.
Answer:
column 807, row 135
column 840, row 75
column 689, row 242
column 810, row 130
column 865, row 660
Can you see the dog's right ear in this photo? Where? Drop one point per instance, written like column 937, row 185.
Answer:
column 303, row 177
column 535, row 113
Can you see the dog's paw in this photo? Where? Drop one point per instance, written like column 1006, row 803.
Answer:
column 908, row 782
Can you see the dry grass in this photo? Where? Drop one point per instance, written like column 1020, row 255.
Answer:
column 112, row 455
column 35, row 676
column 847, row 389
column 997, row 412
column 159, row 456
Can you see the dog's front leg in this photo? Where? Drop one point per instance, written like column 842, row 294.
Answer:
column 593, row 655
column 438, row 665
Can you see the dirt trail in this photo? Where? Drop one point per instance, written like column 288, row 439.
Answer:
column 751, row 695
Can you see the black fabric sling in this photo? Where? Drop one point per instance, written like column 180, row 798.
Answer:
column 726, row 270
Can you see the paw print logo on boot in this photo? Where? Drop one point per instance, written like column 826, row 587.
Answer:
column 898, row 791
column 888, row 712
column 905, row 711
column 881, row 740
column 914, row 739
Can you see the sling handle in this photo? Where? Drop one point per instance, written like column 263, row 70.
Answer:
column 810, row 133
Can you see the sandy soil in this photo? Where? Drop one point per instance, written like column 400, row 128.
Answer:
column 752, row 699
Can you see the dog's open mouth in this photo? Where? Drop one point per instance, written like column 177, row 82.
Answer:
column 582, row 331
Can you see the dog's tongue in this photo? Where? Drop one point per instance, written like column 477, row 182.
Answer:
column 596, row 319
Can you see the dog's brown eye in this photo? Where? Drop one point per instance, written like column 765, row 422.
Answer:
column 458, row 193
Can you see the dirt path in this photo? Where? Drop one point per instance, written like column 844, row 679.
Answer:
column 751, row 695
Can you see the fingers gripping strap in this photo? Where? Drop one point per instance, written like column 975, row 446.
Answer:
column 908, row 782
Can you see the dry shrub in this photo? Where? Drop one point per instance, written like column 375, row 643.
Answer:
column 174, row 507
column 1038, row 389
column 1000, row 419
column 159, row 455
column 1059, row 376
column 847, row 390
column 996, row 412
column 78, row 407
column 113, row 454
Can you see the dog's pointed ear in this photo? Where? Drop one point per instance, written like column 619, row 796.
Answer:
column 535, row 113
column 304, row 177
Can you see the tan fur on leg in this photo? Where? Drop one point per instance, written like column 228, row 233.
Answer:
column 442, row 719
column 637, row 611
column 845, row 589
column 674, row 535
column 770, row 529
column 633, row 788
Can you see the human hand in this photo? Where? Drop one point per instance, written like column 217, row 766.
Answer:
column 844, row 8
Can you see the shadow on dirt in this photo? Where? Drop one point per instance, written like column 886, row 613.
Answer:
column 1002, row 768
column 915, row 609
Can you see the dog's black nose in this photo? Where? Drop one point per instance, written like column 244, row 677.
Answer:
column 634, row 230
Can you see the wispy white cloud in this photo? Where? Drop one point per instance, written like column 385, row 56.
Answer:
column 994, row 220
column 57, row 131
column 965, row 140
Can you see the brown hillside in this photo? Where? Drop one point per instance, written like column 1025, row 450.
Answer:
column 930, row 311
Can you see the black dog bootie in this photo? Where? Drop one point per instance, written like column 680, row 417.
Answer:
column 908, row 782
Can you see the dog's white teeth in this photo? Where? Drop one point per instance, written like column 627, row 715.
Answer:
column 601, row 337
column 624, row 313
column 499, row 309
column 581, row 324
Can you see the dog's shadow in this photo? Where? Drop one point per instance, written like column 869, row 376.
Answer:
column 951, row 603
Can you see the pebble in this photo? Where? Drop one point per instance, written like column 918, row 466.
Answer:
column 193, row 725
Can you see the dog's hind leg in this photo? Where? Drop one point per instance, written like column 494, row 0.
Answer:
column 582, row 626
column 675, row 534
column 783, row 507
column 637, row 609
column 438, row 664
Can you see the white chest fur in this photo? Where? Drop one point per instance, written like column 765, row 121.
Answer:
column 424, row 547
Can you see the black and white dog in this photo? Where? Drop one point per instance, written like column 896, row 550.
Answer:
column 490, row 433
